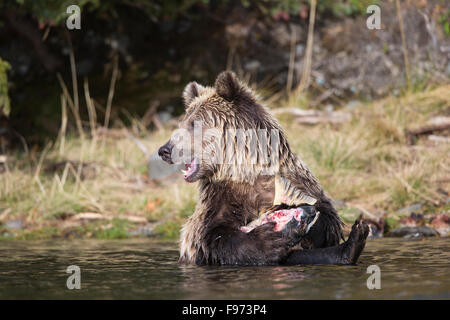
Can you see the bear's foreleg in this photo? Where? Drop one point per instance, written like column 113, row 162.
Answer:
column 261, row 246
column 299, row 184
column 327, row 231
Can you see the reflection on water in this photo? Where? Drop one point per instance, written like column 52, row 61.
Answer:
column 148, row 269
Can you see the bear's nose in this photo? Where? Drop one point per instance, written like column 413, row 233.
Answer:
column 165, row 152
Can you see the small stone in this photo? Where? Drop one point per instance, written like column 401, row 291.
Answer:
column 159, row 169
column 320, row 81
column 299, row 49
column 165, row 116
column 252, row 65
column 16, row 224
column 352, row 104
column 413, row 232
column 142, row 231
column 415, row 208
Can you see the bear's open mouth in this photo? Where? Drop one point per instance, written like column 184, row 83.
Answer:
column 190, row 169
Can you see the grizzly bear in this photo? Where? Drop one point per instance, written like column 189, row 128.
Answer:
column 240, row 156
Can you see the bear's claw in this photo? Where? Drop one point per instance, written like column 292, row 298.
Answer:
column 355, row 243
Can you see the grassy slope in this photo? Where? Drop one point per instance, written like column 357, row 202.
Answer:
column 366, row 163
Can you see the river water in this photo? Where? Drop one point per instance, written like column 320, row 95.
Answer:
column 148, row 269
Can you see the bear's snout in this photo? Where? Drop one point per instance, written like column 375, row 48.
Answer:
column 165, row 152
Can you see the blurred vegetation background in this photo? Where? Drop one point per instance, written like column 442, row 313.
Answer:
column 76, row 106
column 161, row 45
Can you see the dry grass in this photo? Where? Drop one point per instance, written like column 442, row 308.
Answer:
column 107, row 177
column 366, row 163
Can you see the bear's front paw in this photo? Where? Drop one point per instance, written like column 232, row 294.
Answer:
column 355, row 243
column 275, row 245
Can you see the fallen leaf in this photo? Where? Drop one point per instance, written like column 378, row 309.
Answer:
column 152, row 204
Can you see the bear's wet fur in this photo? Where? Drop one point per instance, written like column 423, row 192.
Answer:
column 233, row 194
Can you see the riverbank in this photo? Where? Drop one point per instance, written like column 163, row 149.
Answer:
column 373, row 159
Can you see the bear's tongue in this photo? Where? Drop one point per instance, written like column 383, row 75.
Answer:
column 190, row 169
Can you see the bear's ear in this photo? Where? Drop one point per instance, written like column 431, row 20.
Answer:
column 192, row 91
column 227, row 85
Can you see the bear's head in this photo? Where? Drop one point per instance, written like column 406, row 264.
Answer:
column 225, row 134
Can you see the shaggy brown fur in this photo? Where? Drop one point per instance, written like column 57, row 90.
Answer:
column 246, row 183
